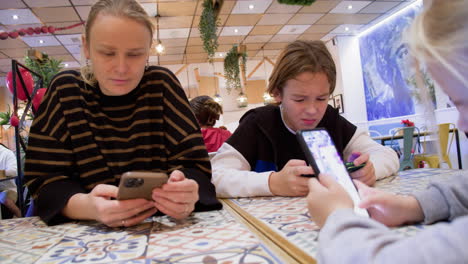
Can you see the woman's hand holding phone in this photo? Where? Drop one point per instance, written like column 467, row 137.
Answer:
column 177, row 197
column 288, row 181
column 98, row 205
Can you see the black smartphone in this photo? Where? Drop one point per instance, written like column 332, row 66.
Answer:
column 137, row 184
column 322, row 156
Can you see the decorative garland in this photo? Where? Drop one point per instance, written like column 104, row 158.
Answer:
column 231, row 68
column 296, row 2
column 36, row 30
column 208, row 27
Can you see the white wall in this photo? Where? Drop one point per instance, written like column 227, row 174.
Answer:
column 349, row 61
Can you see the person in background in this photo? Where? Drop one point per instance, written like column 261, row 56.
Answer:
column 207, row 112
column 8, row 190
column 118, row 115
column 263, row 156
column 438, row 38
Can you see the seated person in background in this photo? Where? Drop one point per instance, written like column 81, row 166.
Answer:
column 207, row 112
column 442, row 44
column 263, row 157
column 8, row 190
column 119, row 115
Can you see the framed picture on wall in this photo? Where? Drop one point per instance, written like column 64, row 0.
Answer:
column 331, row 102
column 338, row 100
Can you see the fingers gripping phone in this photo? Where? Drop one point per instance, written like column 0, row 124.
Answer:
column 323, row 157
column 135, row 185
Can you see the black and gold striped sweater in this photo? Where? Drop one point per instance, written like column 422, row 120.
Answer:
column 81, row 137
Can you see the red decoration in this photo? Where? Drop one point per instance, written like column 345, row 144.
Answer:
column 28, row 81
column 407, row 123
column 38, row 98
column 14, row 120
column 36, row 30
column 13, row 34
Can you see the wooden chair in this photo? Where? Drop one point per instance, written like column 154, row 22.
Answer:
column 445, row 144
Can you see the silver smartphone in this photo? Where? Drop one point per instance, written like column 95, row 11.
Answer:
column 135, row 185
column 323, row 157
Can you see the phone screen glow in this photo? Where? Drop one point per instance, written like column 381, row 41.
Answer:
column 329, row 161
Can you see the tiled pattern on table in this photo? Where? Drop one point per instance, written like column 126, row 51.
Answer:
column 208, row 237
column 289, row 217
column 411, row 181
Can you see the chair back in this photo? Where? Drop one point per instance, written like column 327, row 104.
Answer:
column 407, row 155
column 444, row 142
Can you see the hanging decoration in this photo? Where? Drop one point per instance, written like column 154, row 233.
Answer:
column 296, row 2
column 217, row 98
column 242, row 100
column 208, row 28
column 37, row 30
column 159, row 48
column 232, row 68
column 27, row 81
column 267, row 98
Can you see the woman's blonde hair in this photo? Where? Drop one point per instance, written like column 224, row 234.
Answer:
column 440, row 33
column 206, row 110
column 119, row 8
column 302, row 56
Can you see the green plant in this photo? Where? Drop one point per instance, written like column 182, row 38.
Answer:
column 47, row 68
column 5, row 117
column 232, row 68
column 208, row 27
column 296, row 2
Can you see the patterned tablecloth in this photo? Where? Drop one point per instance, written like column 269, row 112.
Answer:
column 208, row 237
column 286, row 221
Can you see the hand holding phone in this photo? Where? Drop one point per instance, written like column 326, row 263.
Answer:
column 350, row 167
column 135, row 185
column 323, row 157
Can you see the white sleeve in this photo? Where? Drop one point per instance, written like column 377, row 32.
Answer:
column 384, row 159
column 9, row 163
column 232, row 175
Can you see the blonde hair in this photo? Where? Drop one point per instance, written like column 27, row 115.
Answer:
column 119, row 8
column 440, row 33
column 206, row 110
column 302, row 56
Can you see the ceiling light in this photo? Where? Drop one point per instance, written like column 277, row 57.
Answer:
column 66, row 65
column 221, row 54
column 159, row 48
column 350, row 7
column 346, row 28
column 41, row 41
column 251, row 7
column 236, row 30
column 15, row 17
column 217, row 98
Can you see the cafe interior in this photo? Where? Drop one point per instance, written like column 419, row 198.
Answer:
column 376, row 90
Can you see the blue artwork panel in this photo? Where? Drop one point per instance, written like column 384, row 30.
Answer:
column 385, row 64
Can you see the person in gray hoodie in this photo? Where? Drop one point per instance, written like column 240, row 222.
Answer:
column 438, row 38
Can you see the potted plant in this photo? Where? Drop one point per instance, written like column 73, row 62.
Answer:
column 296, row 2
column 232, row 67
column 47, row 67
column 208, row 27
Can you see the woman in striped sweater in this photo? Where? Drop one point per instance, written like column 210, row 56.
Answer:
column 118, row 115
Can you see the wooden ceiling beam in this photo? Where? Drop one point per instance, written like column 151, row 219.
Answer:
column 181, row 69
column 256, row 68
